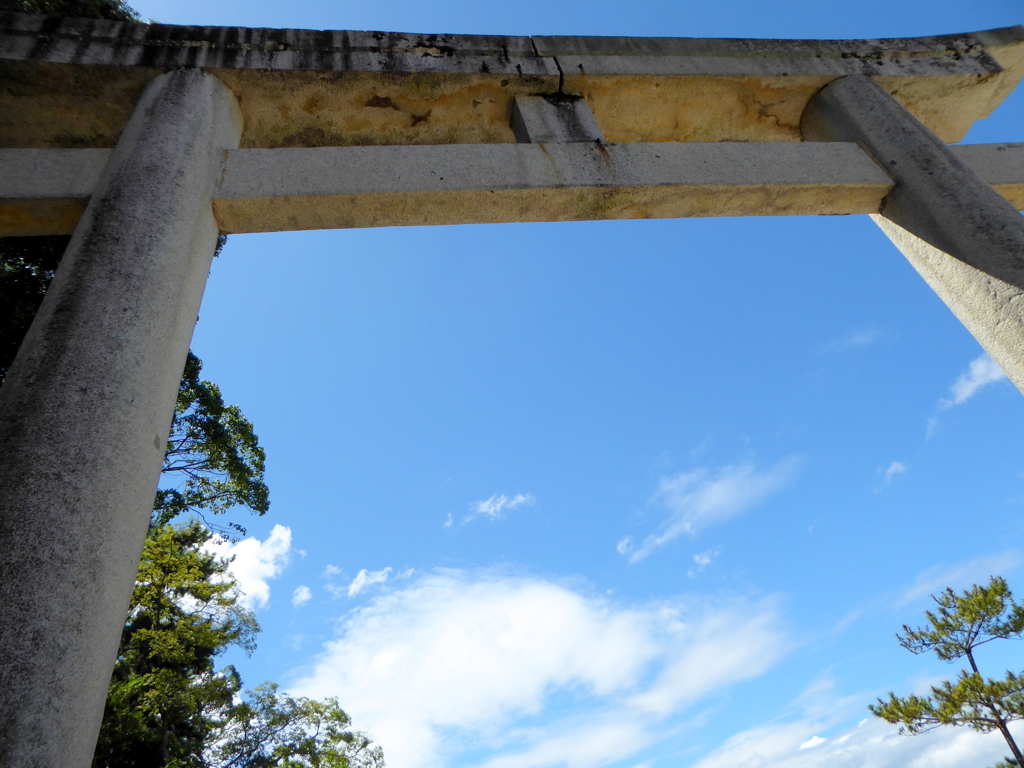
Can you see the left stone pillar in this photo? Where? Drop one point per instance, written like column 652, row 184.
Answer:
column 85, row 413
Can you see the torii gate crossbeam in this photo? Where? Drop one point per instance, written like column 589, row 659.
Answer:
column 146, row 141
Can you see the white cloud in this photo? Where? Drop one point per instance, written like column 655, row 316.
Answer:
column 702, row 498
column 625, row 545
column 896, row 468
column 702, row 561
column 366, row 579
column 959, row 575
column 331, row 570
column 301, row 596
column 812, row 742
column 872, row 743
column 255, row 562
column 449, row 661
column 886, row 475
column 816, row 731
column 982, row 372
column 496, row 506
column 448, row 521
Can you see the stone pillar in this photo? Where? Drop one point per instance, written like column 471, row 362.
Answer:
column 961, row 235
column 85, row 413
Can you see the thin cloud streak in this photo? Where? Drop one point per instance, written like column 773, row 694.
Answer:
column 497, row 506
column 702, row 498
column 958, row 576
column 850, row 341
column 981, row 372
column 896, row 468
column 365, row 579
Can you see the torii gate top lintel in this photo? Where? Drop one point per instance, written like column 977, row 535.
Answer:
column 306, row 88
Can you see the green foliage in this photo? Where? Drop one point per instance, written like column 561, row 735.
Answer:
column 273, row 729
column 27, row 265
column 165, row 697
column 168, row 707
column 962, row 623
column 115, row 10
column 213, row 449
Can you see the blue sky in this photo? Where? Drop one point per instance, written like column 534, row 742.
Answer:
column 635, row 494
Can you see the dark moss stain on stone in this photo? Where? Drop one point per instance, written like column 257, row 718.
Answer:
column 307, row 137
column 312, row 105
column 382, row 102
column 417, row 119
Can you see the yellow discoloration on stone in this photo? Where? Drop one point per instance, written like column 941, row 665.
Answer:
column 722, row 108
column 43, row 104
column 22, row 218
column 301, row 109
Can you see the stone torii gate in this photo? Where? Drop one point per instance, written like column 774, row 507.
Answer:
column 147, row 141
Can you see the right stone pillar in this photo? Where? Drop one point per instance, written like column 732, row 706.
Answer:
column 961, row 235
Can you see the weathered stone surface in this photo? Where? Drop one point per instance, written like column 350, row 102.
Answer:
column 327, row 187
column 963, row 237
column 45, row 191
column 85, row 412
column 553, row 118
column 335, row 88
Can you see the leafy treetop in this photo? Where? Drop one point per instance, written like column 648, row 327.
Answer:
column 114, row 10
column 960, row 624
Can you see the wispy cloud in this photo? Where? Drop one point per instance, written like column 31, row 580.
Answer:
column 896, row 468
column 702, row 561
column 958, row 575
column 702, row 498
column 931, row 581
column 498, row 505
column 365, row 579
column 871, row 742
column 255, row 562
column 448, row 521
column 981, row 372
column 887, row 474
column 301, row 596
column 852, row 340
column 453, row 660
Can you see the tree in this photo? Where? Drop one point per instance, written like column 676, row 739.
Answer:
column 962, row 623
column 169, row 707
column 115, row 10
column 165, row 697
column 272, row 729
column 213, row 449
column 27, row 265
